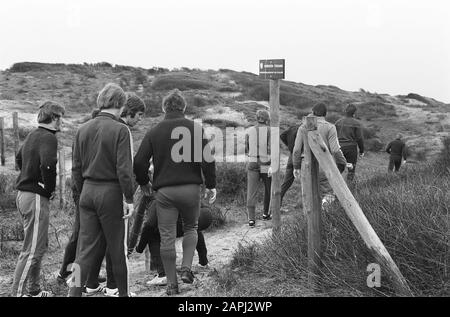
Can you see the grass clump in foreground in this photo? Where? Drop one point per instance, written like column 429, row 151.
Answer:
column 409, row 212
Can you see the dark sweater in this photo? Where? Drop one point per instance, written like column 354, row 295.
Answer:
column 397, row 148
column 37, row 160
column 288, row 137
column 158, row 144
column 349, row 132
column 102, row 153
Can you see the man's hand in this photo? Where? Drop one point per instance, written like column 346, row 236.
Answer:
column 296, row 173
column 269, row 172
column 128, row 210
column 349, row 166
column 211, row 193
column 361, row 155
column 146, row 190
column 404, row 162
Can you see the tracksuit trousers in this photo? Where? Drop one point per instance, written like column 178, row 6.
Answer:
column 35, row 213
column 171, row 201
column 253, row 177
column 102, row 228
column 351, row 155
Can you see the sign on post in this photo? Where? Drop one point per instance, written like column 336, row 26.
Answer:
column 271, row 68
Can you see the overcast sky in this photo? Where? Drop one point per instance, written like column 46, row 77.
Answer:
column 385, row 46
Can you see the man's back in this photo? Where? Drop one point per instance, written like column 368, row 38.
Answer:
column 349, row 132
column 102, row 152
column 397, row 148
column 176, row 145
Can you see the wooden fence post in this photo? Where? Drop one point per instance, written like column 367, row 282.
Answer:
column 2, row 141
column 62, row 176
column 356, row 215
column 275, row 199
column 16, row 135
column 311, row 206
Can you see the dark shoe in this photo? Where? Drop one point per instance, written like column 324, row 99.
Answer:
column 187, row 276
column 251, row 223
column 172, row 290
column 267, row 217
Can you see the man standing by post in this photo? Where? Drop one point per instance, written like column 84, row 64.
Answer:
column 350, row 137
column 36, row 183
column 328, row 133
column 103, row 173
column 397, row 151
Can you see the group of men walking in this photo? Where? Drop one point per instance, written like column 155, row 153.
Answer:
column 104, row 173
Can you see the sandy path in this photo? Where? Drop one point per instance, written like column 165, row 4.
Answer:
column 221, row 245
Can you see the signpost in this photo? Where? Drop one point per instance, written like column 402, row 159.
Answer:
column 273, row 69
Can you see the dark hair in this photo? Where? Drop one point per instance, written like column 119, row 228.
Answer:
column 133, row 105
column 350, row 110
column 50, row 110
column 111, row 96
column 174, row 101
column 320, row 110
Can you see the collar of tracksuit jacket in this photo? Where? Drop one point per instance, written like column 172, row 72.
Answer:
column 107, row 115
column 174, row 115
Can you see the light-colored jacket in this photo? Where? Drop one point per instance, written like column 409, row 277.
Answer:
column 329, row 135
column 258, row 145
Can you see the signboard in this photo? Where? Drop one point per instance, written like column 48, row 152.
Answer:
column 271, row 68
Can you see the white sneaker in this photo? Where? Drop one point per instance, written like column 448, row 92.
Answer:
column 157, row 281
column 114, row 292
column 94, row 291
column 111, row 292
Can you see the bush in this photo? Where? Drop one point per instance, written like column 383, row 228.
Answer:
column 374, row 145
column 231, row 181
column 260, row 92
column 179, row 81
column 7, row 96
column 369, row 133
column 153, row 104
column 7, row 192
column 24, row 131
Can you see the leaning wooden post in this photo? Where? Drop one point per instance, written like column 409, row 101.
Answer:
column 275, row 199
column 311, row 205
column 62, row 177
column 16, row 135
column 356, row 215
column 2, row 141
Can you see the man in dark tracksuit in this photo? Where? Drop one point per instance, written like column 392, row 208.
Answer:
column 288, row 138
column 177, row 146
column 103, row 173
column 350, row 138
column 36, row 183
column 397, row 151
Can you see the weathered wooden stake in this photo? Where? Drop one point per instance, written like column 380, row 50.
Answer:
column 62, row 177
column 356, row 215
column 16, row 135
column 275, row 199
column 312, row 206
column 2, row 141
